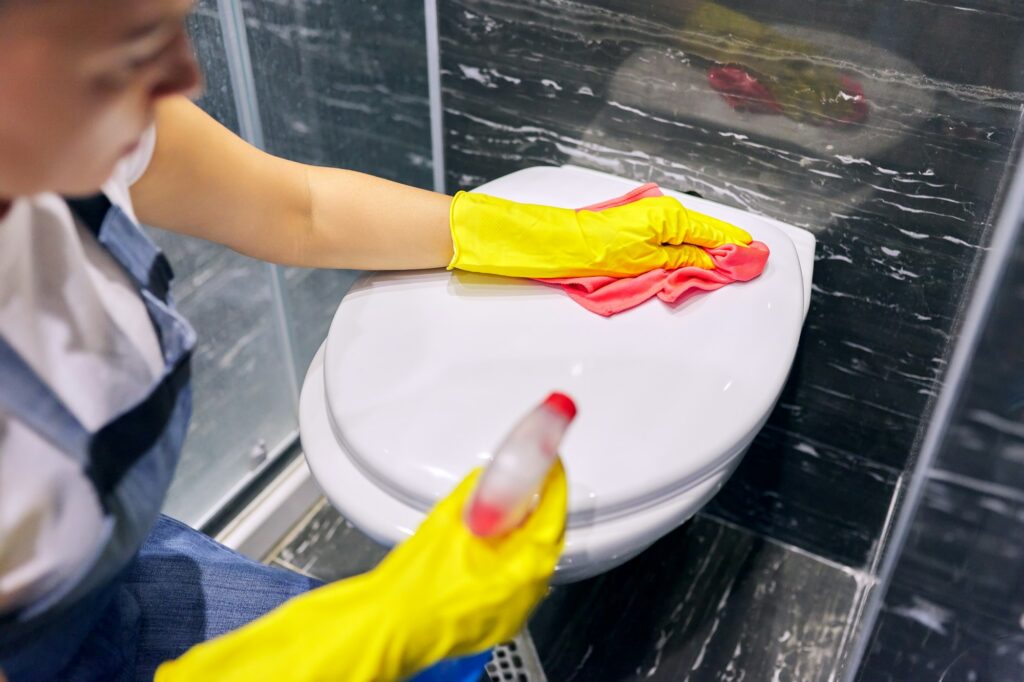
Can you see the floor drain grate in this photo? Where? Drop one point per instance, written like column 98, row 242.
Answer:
column 516, row 661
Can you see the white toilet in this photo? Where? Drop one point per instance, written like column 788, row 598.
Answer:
column 423, row 373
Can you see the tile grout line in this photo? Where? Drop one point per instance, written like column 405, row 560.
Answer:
column 978, row 486
column 899, row 490
column 860, row 575
column 852, row 627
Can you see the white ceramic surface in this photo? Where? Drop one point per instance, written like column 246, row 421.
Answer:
column 589, row 549
column 423, row 372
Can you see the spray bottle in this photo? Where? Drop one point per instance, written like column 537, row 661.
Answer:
column 504, row 496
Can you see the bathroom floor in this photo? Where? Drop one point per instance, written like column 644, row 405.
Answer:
column 710, row 601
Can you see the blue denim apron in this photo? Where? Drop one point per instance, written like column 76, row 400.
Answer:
column 129, row 461
column 154, row 587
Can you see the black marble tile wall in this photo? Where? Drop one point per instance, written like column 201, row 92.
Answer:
column 900, row 195
column 707, row 602
column 956, row 603
column 957, row 598
column 985, row 441
column 340, row 84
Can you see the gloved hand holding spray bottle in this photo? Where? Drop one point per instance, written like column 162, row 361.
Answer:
column 465, row 581
column 504, row 497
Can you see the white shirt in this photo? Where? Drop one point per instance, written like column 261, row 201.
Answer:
column 75, row 317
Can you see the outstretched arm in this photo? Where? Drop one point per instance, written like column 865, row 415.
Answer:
column 206, row 182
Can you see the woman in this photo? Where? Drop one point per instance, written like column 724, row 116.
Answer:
column 96, row 129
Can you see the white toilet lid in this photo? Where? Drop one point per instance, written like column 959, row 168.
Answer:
column 426, row 371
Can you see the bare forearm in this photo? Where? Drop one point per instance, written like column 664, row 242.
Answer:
column 206, row 182
column 360, row 221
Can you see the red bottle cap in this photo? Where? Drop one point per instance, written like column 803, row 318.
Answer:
column 562, row 404
column 484, row 518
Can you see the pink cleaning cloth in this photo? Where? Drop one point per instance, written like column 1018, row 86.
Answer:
column 610, row 295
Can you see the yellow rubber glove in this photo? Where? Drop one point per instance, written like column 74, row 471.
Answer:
column 442, row 593
column 503, row 237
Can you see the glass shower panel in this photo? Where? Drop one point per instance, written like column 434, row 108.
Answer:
column 217, row 99
column 241, row 374
column 340, row 84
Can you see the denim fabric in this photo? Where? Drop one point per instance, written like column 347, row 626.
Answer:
column 182, row 588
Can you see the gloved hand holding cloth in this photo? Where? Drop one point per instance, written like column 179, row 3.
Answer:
column 502, row 237
column 643, row 244
column 442, row 593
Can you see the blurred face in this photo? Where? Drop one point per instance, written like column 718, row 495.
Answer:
column 79, row 80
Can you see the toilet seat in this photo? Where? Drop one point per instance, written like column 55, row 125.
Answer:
column 422, row 374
